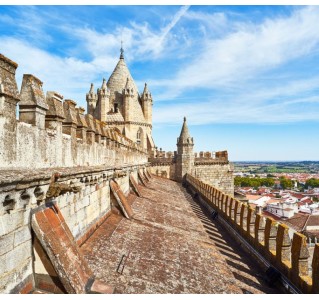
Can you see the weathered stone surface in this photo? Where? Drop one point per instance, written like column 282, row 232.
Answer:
column 135, row 186
column 22, row 235
column 165, row 248
column 6, row 243
column 121, row 199
column 56, row 238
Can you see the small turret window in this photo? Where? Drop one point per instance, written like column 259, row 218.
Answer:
column 116, row 107
column 138, row 137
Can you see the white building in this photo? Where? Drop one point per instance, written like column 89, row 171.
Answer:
column 282, row 208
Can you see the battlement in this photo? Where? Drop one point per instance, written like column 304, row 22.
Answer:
column 51, row 131
column 265, row 239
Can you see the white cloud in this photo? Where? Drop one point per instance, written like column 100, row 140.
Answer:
column 68, row 76
column 252, row 49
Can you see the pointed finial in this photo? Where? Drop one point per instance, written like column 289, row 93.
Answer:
column 184, row 119
column 122, row 51
column 127, row 83
column 92, row 88
column 103, row 84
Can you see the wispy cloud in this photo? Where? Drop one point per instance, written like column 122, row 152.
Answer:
column 215, row 67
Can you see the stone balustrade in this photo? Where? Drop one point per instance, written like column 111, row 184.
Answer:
column 264, row 234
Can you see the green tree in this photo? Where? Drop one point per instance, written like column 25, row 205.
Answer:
column 313, row 182
column 286, row 183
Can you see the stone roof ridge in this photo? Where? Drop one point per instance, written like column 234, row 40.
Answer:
column 185, row 137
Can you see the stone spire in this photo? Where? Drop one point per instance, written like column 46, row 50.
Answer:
column 184, row 137
column 91, row 91
column 122, row 51
column 104, row 87
column 146, row 94
column 117, row 81
column 91, row 99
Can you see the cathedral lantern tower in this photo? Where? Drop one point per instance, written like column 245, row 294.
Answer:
column 185, row 155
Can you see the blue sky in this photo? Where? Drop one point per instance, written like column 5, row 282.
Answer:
column 246, row 77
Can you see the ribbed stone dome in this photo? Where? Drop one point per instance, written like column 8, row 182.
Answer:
column 118, row 78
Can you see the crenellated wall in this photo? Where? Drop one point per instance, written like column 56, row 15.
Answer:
column 264, row 235
column 212, row 168
column 52, row 153
column 51, row 132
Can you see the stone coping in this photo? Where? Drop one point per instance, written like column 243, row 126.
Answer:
column 17, row 176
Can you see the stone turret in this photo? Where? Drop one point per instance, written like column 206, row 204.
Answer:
column 103, row 103
column 128, row 94
column 91, row 99
column 147, row 103
column 185, row 155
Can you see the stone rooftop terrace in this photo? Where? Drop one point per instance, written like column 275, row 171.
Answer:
column 170, row 246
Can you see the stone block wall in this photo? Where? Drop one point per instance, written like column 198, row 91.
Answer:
column 83, row 196
column 219, row 175
column 269, row 238
column 216, row 172
column 165, row 170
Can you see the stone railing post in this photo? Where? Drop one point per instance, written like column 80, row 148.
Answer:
column 283, row 248
column 250, row 223
column 237, row 212
column 315, row 270
column 270, row 236
column 259, row 230
column 216, row 198
column 299, row 258
column 231, row 208
column 243, row 219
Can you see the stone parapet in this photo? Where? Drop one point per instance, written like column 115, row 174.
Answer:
column 268, row 238
column 60, row 134
column 82, row 195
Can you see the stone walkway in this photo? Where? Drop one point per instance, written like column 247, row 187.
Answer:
column 169, row 246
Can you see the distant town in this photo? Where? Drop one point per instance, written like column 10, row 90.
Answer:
column 286, row 191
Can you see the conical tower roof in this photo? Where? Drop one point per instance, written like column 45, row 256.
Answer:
column 184, row 137
column 118, row 78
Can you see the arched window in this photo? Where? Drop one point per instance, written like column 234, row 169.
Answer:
column 138, row 136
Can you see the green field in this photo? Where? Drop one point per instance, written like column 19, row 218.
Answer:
column 277, row 167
